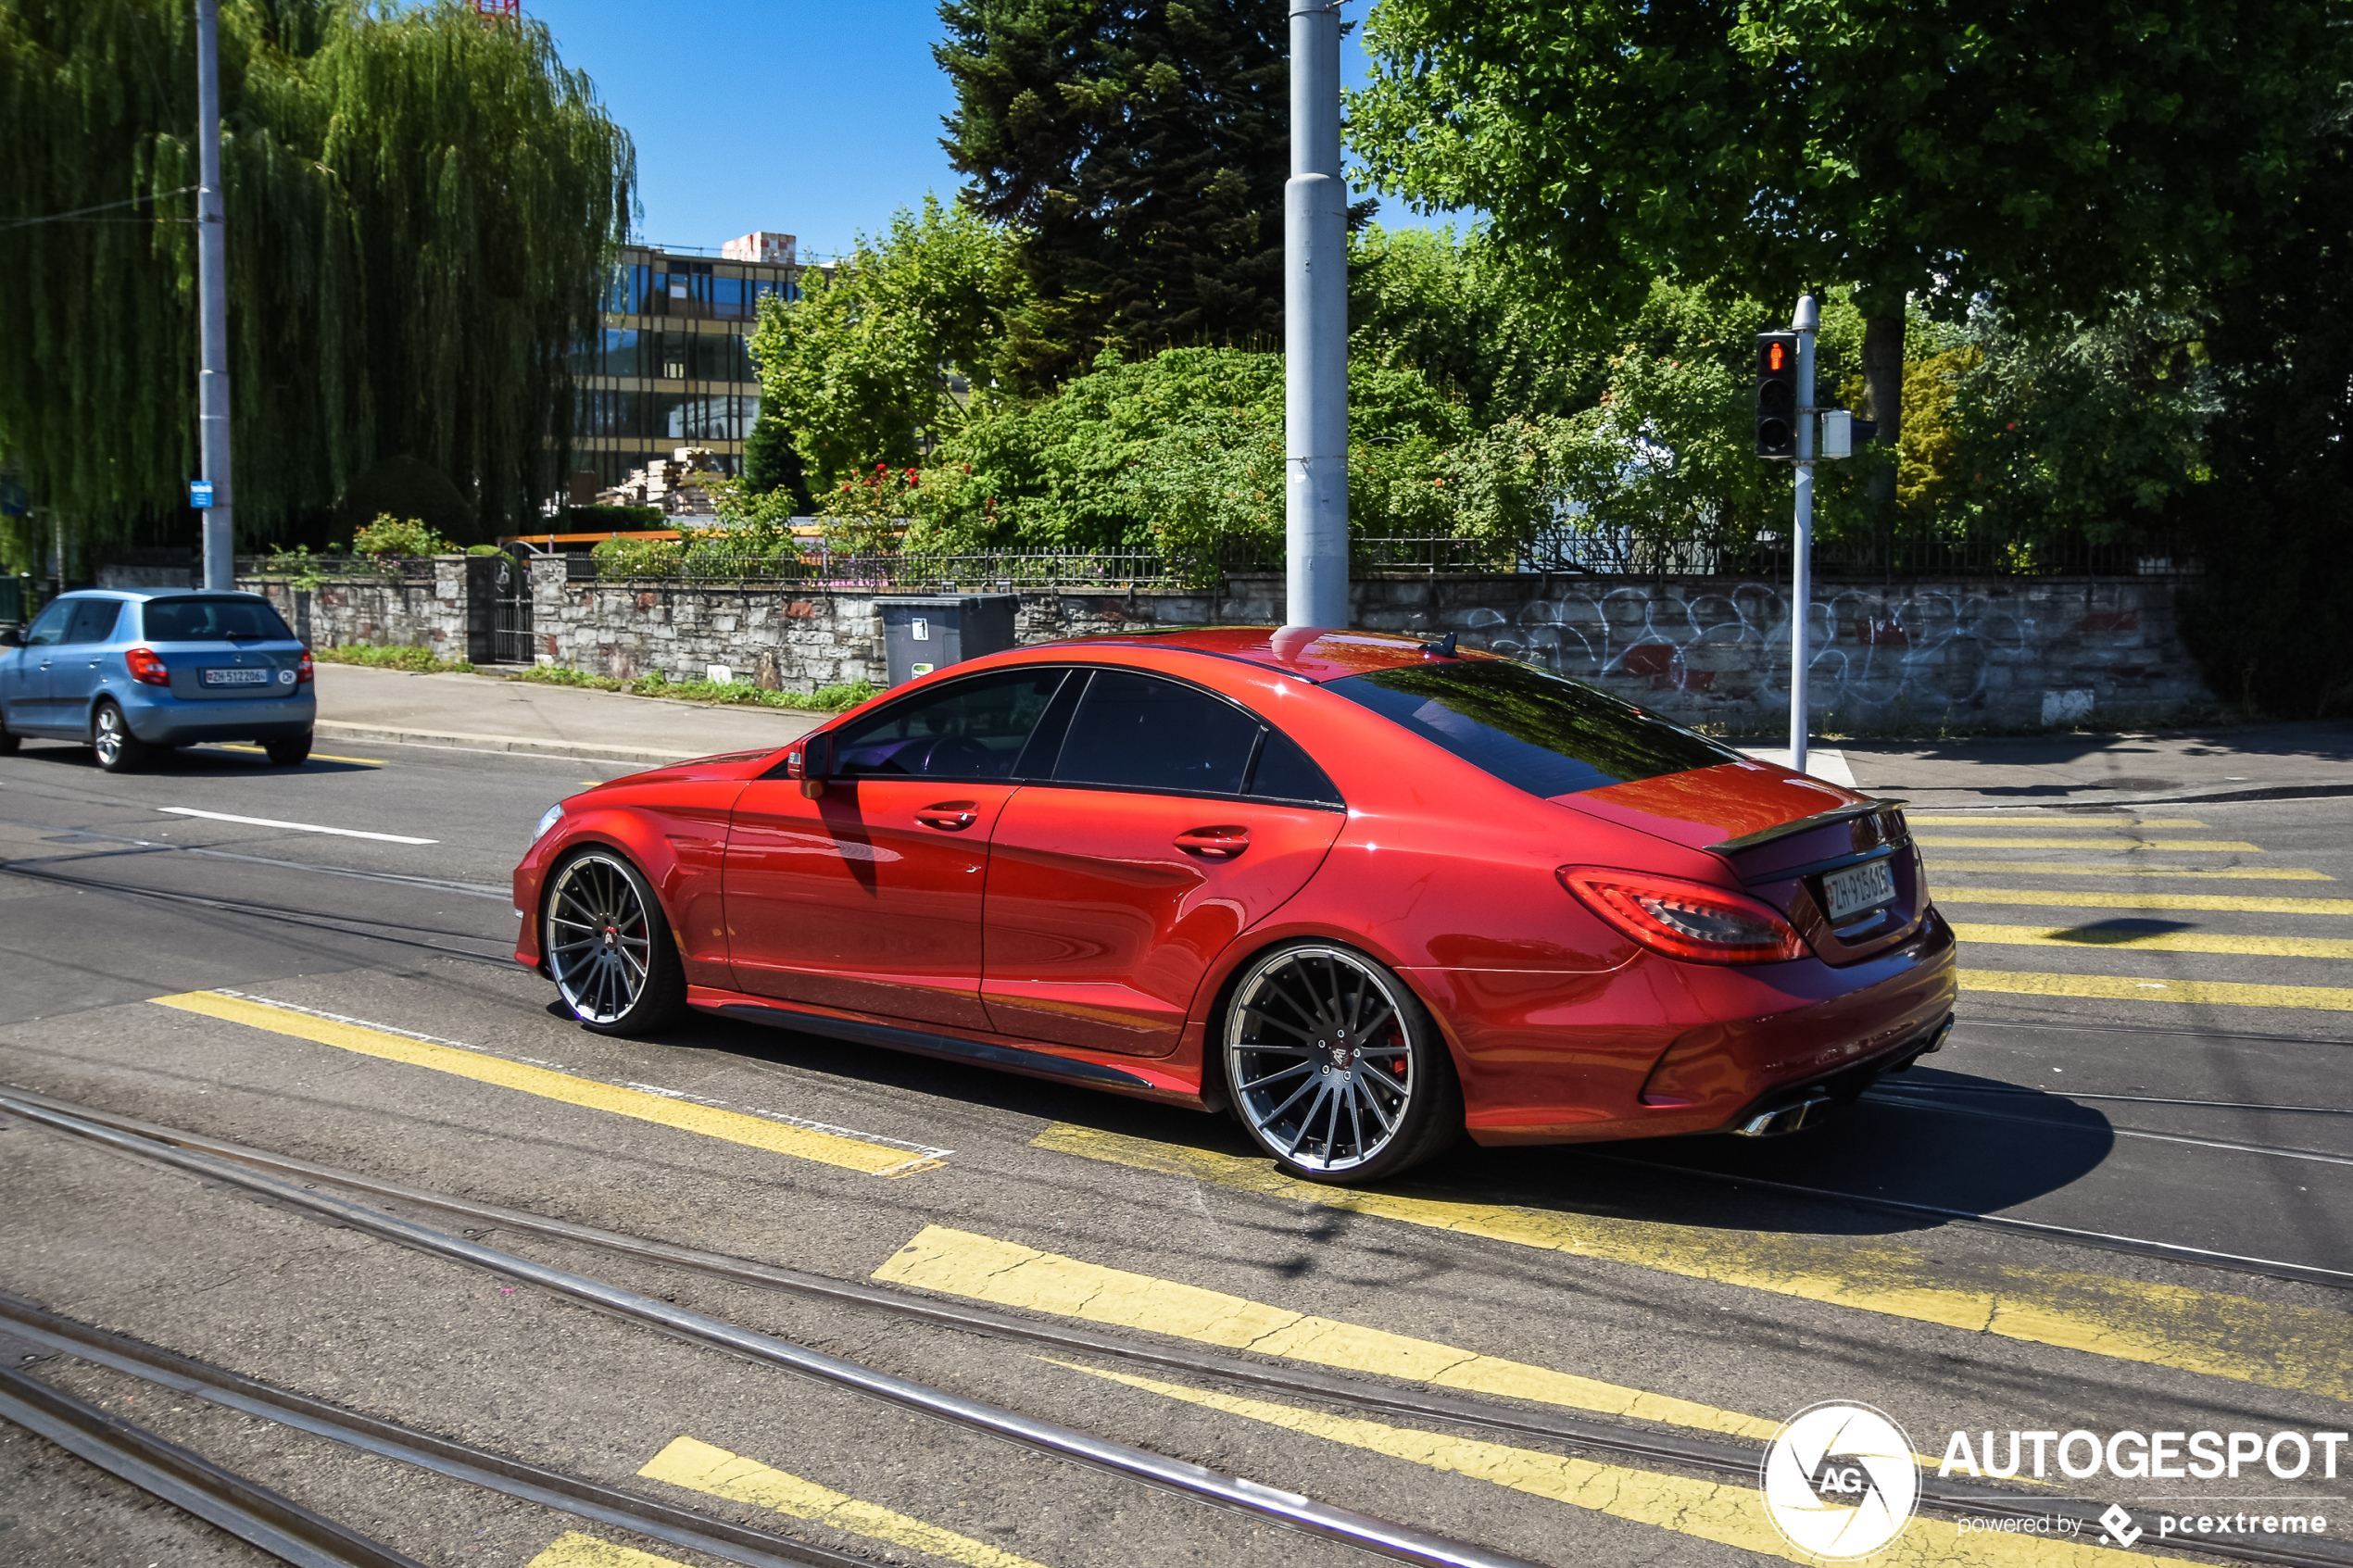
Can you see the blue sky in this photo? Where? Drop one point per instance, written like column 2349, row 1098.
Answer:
column 819, row 119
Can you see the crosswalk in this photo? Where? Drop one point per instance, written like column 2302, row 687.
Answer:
column 2137, row 913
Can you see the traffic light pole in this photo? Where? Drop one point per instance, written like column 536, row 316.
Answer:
column 1801, row 592
column 212, row 305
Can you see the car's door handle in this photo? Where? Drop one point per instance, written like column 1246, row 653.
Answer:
column 1217, row 843
column 949, row 816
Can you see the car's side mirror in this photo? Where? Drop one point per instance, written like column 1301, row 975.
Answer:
column 11, row 637
column 811, row 761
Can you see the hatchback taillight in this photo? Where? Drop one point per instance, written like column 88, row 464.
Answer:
column 1685, row 920
column 145, row 668
column 306, row 670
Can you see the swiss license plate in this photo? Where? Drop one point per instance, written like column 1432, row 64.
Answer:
column 1858, row 888
column 236, row 677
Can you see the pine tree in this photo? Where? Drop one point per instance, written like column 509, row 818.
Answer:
column 1143, row 147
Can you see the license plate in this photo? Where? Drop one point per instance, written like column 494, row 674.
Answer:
column 236, row 677
column 1858, row 888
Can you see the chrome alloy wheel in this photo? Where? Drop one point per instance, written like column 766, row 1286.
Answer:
column 109, row 735
column 1319, row 1057
column 599, row 945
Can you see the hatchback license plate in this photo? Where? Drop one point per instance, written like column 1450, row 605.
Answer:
column 236, row 677
column 1858, row 888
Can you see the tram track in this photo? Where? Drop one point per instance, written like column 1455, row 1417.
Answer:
column 245, row 1509
column 498, row 1473
column 260, row 1172
column 1348, row 1526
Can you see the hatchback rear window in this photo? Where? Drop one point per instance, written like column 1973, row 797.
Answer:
column 213, row 620
column 1530, row 729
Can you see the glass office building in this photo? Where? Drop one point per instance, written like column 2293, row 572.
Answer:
column 670, row 368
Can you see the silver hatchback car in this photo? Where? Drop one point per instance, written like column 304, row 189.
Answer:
column 132, row 674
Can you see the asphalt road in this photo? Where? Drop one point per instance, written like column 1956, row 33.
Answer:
column 2119, row 1199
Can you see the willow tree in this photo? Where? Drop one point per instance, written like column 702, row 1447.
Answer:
column 419, row 207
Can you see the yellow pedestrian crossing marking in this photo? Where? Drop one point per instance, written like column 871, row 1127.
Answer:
column 875, row 1159
column 2087, row 868
column 2122, row 989
column 701, row 1467
column 1933, row 820
column 1731, row 1512
column 2087, row 899
column 2081, row 937
column 1953, row 841
column 572, row 1550
column 958, row 1262
column 2200, row 1331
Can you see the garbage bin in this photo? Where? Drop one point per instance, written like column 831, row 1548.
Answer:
column 920, row 634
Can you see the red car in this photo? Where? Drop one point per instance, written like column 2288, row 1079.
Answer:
column 1365, row 890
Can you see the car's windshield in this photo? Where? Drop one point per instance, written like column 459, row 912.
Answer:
column 212, row 621
column 1530, row 729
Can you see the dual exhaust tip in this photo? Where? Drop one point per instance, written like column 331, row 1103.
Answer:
column 1815, row 1104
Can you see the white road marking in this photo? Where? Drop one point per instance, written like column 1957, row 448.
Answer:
column 292, row 827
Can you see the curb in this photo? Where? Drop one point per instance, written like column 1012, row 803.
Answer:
column 460, row 740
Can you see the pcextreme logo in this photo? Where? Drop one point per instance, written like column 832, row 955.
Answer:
column 1839, row 1481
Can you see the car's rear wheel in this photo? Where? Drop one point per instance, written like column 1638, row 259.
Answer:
column 119, row 750
column 289, row 753
column 10, row 739
column 609, row 947
column 1336, row 1068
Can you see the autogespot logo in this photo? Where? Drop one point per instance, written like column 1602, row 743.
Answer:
column 1839, row 1481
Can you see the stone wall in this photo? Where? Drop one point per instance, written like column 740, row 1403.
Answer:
column 2010, row 653
column 449, row 612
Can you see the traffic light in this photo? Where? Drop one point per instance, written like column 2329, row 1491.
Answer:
column 1777, row 394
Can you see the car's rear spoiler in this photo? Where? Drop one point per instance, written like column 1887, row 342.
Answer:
column 1801, row 825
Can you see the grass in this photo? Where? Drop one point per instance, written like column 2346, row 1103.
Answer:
column 415, row 660
column 825, row 699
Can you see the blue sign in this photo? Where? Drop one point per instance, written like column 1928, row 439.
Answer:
column 200, row 494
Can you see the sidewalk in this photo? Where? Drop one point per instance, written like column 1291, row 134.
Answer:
column 483, row 713
column 2250, row 761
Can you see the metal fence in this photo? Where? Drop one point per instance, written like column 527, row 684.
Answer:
column 340, row 569
column 1077, row 571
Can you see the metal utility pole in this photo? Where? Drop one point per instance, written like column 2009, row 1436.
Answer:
column 212, row 296
column 1801, row 592
column 1315, row 329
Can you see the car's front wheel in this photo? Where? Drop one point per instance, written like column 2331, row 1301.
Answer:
column 1336, row 1068
column 609, row 946
column 119, row 750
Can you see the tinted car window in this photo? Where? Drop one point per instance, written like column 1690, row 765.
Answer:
column 1285, row 772
column 93, row 620
column 1530, row 729
column 970, row 730
column 1136, row 732
column 49, row 627
column 213, row 620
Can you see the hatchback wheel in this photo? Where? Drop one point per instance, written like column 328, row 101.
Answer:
column 119, row 750
column 1336, row 1068
column 610, row 949
column 289, row 753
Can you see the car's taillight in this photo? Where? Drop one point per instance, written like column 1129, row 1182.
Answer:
column 145, row 668
column 306, row 670
column 1685, row 920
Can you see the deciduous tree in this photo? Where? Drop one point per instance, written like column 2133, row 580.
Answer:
column 2049, row 153
column 420, row 210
